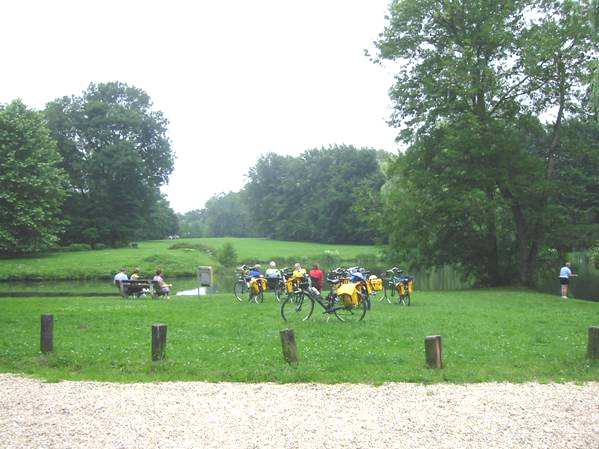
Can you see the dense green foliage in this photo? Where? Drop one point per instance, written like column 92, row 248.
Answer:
column 484, row 183
column 488, row 335
column 116, row 154
column 323, row 195
column 31, row 184
column 224, row 215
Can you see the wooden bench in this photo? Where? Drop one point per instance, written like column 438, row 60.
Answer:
column 135, row 288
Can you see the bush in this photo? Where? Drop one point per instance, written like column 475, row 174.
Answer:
column 133, row 245
column 100, row 246
column 595, row 256
column 329, row 259
column 227, row 256
column 73, row 247
column 195, row 246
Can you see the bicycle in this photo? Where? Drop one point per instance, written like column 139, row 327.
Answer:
column 389, row 284
column 405, row 287
column 249, row 288
column 346, row 306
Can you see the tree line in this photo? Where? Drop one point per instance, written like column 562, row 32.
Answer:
column 86, row 169
column 323, row 195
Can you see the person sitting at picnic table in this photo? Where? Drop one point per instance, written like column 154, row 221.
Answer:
column 121, row 276
column 317, row 277
column 136, row 274
column 164, row 287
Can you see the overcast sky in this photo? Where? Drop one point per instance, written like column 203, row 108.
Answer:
column 236, row 79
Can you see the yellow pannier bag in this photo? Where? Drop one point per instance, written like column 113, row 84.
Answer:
column 255, row 285
column 400, row 288
column 411, row 286
column 377, row 284
column 289, row 285
column 348, row 294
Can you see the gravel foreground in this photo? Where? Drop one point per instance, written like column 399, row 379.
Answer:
column 183, row 415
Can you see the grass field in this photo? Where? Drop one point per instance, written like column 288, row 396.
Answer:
column 488, row 335
column 102, row 264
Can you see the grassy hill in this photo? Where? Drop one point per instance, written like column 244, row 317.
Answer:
column 102, row 264
column 488, row 335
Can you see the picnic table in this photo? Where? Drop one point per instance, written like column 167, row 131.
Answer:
column 138, row 288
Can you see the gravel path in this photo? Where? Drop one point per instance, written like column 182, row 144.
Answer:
column 228, row 415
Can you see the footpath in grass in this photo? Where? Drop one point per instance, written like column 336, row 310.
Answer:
column 488, row 335
column 102, row 264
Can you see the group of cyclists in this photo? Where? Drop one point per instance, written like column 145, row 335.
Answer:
column 350, row 289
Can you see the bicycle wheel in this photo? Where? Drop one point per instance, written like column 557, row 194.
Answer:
column 351, row 313
column 389, row 292
column 255, row 298
column 240, row 291
column 297, row 307
column 278, row 292
column 406, row 299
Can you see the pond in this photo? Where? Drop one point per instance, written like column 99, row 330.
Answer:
column 187, row 286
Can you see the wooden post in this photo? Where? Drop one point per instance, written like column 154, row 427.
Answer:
column 593, row 345
column 289, row 347
column 432, row 348
column 158, row 341
column 47, row 334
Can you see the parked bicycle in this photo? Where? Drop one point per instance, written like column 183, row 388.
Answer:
column 348, row 301
column 249, row 288
column 397, row 285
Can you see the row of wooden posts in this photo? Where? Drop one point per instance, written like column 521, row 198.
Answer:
column 432, row 344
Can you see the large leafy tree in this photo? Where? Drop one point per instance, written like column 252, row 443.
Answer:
column 31, row 184
column 475, row 77
column 116, row 153
column 323, row 195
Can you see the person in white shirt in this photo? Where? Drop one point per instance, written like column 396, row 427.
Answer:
column 565, row 273
column 273, row 275
column 121, row 276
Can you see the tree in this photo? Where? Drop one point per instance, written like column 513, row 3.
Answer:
column 322, row 195
column 31, row 184
column 475, row 78
column 227, row 215
column 117, row 155
column 161, row 221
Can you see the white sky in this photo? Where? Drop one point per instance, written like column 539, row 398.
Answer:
column 236, row 79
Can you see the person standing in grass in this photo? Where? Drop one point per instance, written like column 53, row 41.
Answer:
column 565, row 273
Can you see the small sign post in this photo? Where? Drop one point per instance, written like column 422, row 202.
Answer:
column 205, row 278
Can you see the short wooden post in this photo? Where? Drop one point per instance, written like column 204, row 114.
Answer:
column 593, row 345
column 432, row 348
column 289, row 347
column 158, row 341
column 47, row 333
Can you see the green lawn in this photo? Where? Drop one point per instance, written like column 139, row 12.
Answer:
column 152, row 254
column 488, row 335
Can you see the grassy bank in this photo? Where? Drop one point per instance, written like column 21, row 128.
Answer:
column 102, row 264
column 488, row 335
